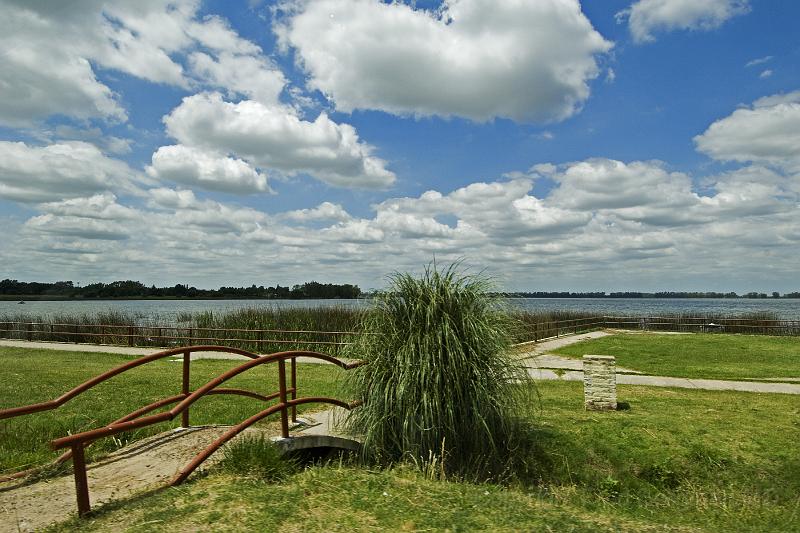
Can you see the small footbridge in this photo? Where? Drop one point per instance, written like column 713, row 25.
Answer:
column 316, row 434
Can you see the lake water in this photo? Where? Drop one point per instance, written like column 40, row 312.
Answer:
column 165, row 311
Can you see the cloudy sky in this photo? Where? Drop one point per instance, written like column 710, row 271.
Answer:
column 560, row 145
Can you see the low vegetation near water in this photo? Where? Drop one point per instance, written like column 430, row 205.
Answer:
column 116, row 327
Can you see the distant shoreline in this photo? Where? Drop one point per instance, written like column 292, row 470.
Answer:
column 47, row 298
column 56, row 298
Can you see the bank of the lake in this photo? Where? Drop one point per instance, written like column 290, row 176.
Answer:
column 168, row 310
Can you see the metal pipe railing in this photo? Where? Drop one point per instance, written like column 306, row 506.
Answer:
column 286, row 395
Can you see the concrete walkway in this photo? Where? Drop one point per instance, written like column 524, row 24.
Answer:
column 681, row 383
column 538, row 356
column 127, row 350
column 546, row 366
column 540, row 363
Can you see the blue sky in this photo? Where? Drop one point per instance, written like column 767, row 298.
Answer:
column 614, row 145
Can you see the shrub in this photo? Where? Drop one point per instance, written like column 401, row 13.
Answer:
column 440, row 385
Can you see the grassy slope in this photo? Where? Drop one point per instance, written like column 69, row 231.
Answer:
column 683, row 459
column 677, row 460
column 31, row 376
column 698, row 355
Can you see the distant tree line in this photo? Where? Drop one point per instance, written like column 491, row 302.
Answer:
column 311, row 289
column 664, row 294
column 135, row 289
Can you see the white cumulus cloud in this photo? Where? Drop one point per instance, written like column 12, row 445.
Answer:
column 479, row 59
column 58, row 171
column 276, row 139
column 646, row 17
column 51, row 48
column 193, row 167
column 767, row 132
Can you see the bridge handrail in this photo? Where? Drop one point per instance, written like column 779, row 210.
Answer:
column 185, row 403
column 136, row 419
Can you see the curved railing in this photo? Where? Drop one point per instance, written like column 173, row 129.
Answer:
column 137, row 419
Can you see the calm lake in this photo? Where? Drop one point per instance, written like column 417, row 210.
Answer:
column 165, row 311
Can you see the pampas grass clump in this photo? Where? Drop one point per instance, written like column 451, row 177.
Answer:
column 439, row 384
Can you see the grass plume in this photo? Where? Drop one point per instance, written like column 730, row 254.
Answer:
column 439, row 383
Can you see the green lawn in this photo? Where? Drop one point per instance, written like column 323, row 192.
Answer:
column 676, row 461
column 682, row 460
column 31, row 376
column 698, row 355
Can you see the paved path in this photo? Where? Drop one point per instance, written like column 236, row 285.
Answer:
column 145, row 465
column 126, row 350
column 546, row 366
column 681, row 383
column 538, row 356
column 541, row 365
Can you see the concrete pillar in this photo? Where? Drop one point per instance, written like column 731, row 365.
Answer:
column 599, row 382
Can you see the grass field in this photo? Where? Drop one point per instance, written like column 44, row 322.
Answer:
column 677, row 460
column 698, row 355
column 728, row 463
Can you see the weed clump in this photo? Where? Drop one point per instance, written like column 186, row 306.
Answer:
column 257, row 458
column 439, row 385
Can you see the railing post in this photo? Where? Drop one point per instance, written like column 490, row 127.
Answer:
column 187, row 361
column 130, row 335
column 81, row 484
column 191, row 331
column 30, row 335
column 76, row 333
column 282, row 393
column 293, row 372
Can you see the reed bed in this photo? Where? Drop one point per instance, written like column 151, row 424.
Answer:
column 325, row 329
column 261, row 330
column 530, row 326
column 271, row 329
column 760, row 323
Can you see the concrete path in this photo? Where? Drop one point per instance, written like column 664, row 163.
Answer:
column 537, row 355
column 681, row 383
column 545, row 366
column 536, row 348
column 126, row 350
column 145, row 465
column 541, row 365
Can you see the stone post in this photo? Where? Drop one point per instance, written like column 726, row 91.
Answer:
column 599, row 382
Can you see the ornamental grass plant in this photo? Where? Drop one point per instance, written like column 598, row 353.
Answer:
column 439, row 385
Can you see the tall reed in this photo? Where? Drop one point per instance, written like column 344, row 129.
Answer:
column 439, row 384
column 323, row 329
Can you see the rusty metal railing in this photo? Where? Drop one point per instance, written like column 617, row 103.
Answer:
column 750, row 326
column 262, row 339
column 542, row 330
column 286, row 406
column 165, row 335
